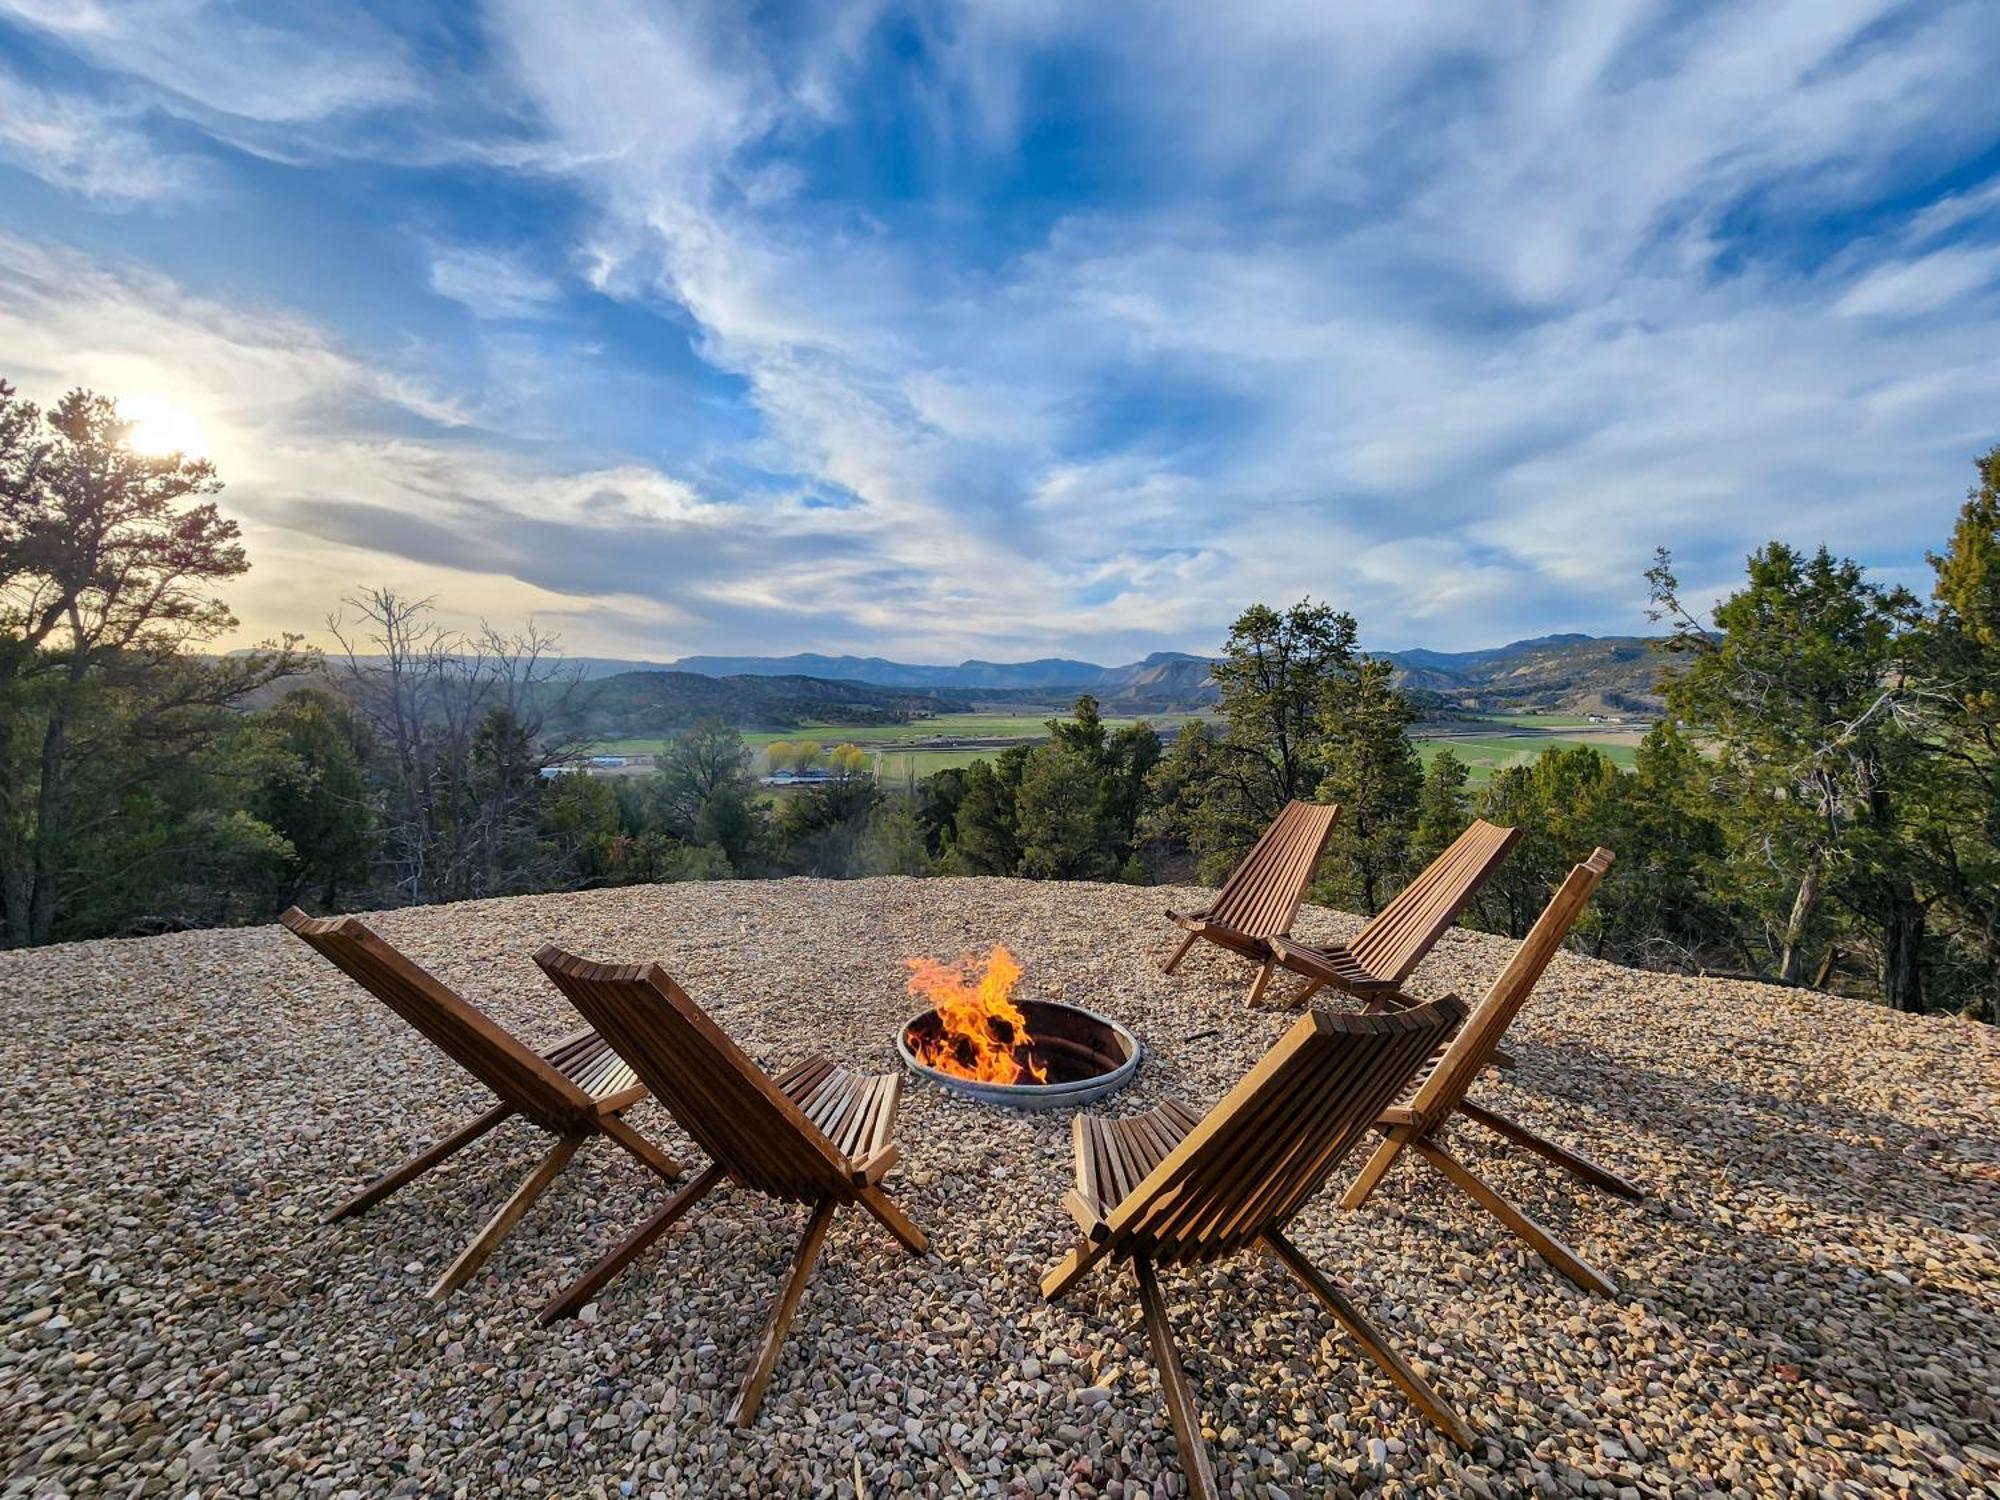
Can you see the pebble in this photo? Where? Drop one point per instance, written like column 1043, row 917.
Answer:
column 1809, row 1296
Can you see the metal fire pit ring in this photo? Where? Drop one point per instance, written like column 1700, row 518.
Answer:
column 1087, row 1055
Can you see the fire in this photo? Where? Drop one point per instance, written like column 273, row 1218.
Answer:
column 985, row 1036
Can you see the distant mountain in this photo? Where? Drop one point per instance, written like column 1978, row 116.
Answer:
column 1048, row 672
column 1578, row 673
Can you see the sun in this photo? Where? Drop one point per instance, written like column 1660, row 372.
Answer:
column 159, row 426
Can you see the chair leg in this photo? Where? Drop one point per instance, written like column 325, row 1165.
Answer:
column 1313, row 987
column 1262, row 982
column 647, row 1153
column 416, row 1166
column 569, row 1302
column 1551, row 1249
column 1363, row 1187
column 752, row 1397
column 1377, row 1348
column 894, row 1220
column 1180, row 952
column 1570, row 1161
column 1072, row 1268
column 473, row 1256
column 1195, row 1462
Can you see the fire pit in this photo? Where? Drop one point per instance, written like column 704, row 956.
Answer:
column 978, row 1040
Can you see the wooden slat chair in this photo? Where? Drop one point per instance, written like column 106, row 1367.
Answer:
column 1169, row 1188
column 818, row 1134
column 1436, row 1094
column 1261, row 897
column 574, row 1090
column 1383, row 955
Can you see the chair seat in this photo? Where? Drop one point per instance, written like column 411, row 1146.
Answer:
column 1399, row 1112
column 1116, row 1154
column 856, row 1111
column 587, row 1061
column 1335, row 966
column 1221, row 934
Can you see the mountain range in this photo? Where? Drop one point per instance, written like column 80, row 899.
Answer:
column 1577, row 673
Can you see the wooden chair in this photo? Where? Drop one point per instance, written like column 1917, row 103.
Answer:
column 1387, row 951
column 1436, row 1094
column 818, row 1134
column 1261, row 897
column 1168, row 1188
column 574, row 1090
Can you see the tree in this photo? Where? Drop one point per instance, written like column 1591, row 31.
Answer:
column 1371, row 769
column 1444, row 807
column 702, row 792
column 1799, row 687
column 894, row 842
column 457, row 722
column 847, row 761
column 1272, row 678
column 1061, row 816
column 986, row 836
column 308, row 755
column 1954, row 684
column 108, row 562
column 820, row 827
column 804, row 755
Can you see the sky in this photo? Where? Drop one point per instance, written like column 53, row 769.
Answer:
column 1019, row 328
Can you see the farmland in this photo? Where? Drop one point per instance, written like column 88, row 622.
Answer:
column 922, row 747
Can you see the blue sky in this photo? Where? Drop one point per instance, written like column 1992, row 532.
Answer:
column 1008, row 329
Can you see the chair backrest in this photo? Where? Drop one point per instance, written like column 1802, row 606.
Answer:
column 1270, row 1145
column 1473, row 1048
column 1398, row 936
column 464, row 1033
column 718, row 1095
column 1262, row 894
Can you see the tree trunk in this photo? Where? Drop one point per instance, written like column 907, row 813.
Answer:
column 1902, row 951
column 1789, row 958
column 42, row 904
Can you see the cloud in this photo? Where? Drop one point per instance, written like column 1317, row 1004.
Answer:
column 88, row 146
column 491, row 284
column 262, row 60
column 1924, row 285
column 1047, row 327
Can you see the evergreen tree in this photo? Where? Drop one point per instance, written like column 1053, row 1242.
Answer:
column 1371, row 769
column 1061, row 818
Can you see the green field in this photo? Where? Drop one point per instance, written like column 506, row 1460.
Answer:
column 906, row 750
column 1485, row 754
column 914, row 737
column 1542, row 721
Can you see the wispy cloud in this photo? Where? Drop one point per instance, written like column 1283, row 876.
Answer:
column 492, row 284
column 88, row 146
column 1028, row 327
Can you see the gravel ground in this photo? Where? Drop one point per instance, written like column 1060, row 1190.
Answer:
column 1810, row 1300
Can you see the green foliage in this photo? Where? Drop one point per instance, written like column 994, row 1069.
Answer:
column 1797, row 687
column 1061, row 810
column 112, row 727
column 1370, row 768
column 308, row 761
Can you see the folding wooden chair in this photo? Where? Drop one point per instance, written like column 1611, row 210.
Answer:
column 817, row 1134
column 574, row 1090
column 1387, row 951
column 1436, row 1094
column 1168, row 1188
column 1261, row 897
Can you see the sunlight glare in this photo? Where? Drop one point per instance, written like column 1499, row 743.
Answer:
column 161, row 427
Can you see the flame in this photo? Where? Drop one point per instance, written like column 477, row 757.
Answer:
column 984, row 1036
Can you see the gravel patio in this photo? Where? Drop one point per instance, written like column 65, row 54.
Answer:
column 1809, row 1301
